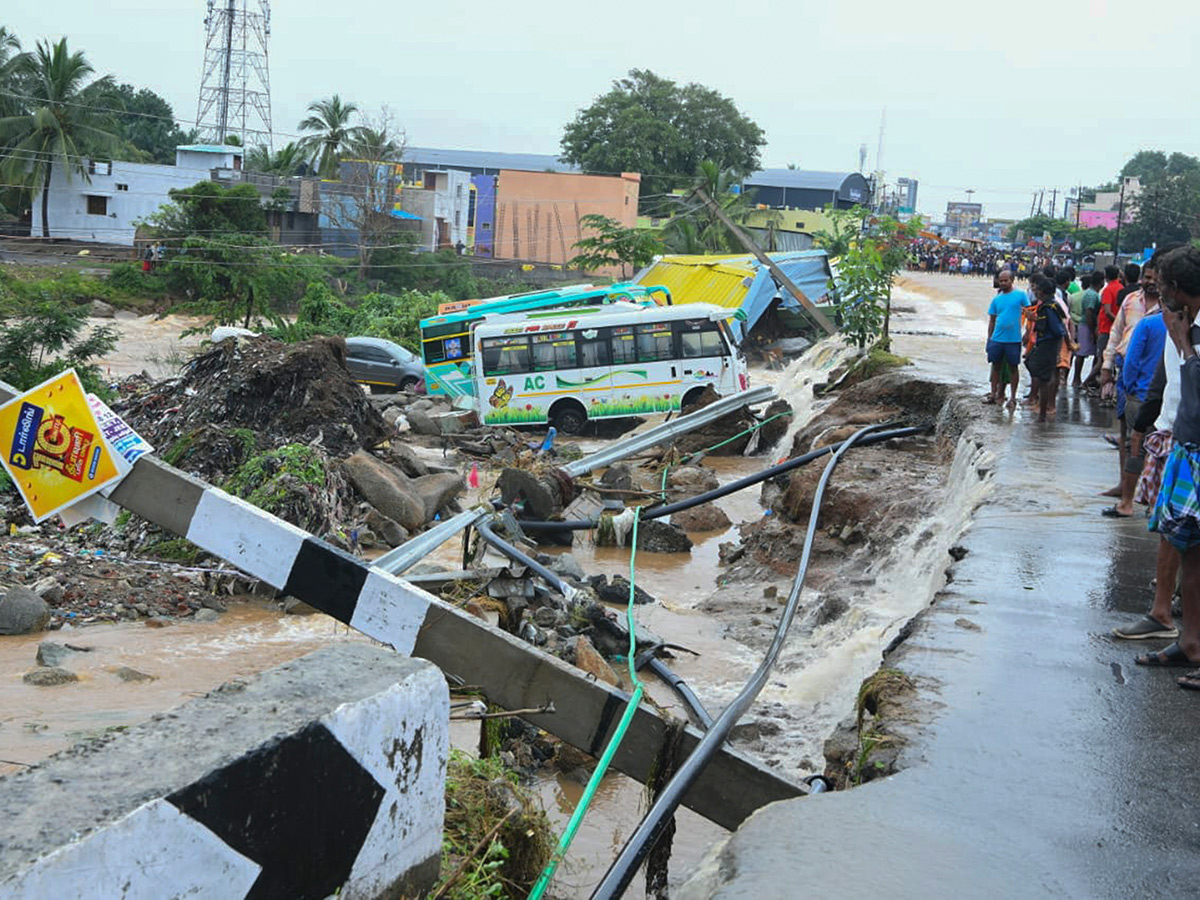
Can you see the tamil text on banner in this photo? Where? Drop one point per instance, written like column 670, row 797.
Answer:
column 52, row 446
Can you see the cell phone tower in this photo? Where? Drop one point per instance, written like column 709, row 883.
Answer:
column 235, row 84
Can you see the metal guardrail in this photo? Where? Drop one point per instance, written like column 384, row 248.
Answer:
column 668, row 430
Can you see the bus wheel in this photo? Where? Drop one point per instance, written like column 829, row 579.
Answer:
column 568, row 416
column 691, row 398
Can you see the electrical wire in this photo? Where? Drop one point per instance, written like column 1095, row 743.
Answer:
column 568, row 835
column 642, row 841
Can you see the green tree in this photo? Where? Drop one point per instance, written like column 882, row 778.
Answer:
column 46, row 339
column 146, row 122
column 663, row 130
column 330, row 130
column 207, row 208
column 289, row 159
column 1148, row 165
column 866, row 270
column 612, row 244
column 64, row 123
column 10, row 53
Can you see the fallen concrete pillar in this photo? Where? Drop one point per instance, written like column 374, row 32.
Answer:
column 326, row 773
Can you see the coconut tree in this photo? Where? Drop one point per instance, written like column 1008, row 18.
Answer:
column 329, row 132
column 63, row 122
column 10, row 52
column 287, row 160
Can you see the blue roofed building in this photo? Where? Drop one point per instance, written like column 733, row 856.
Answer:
column 807, row 189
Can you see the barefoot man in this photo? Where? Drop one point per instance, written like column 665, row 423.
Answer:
column 1004, row 338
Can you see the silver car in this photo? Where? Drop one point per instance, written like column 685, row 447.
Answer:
column 384, row 366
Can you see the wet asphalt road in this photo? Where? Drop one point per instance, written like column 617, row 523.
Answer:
column 1046, row 763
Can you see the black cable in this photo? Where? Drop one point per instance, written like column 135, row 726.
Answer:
column 659, row 512
column 485, row 532
column 639, row 844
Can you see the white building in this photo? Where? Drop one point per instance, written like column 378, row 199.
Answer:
column 105, row 205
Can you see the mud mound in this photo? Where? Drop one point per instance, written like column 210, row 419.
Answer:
column 281, row 393
column 893, row 395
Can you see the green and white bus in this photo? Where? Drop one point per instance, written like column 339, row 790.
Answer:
column 446, row 337
column 569, row 366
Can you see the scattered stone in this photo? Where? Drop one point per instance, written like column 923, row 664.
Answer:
column 688, row 481
column 101, row 310
column 617, row 591
column 52, row 654
column 547, row 617
column 958, row 552
column 294, row 607
column 158, row 622
column 49, row 677
column 588, row 659
column 967, row 624
column 392, row 415
column 656, row 536
column 206, row 615
column 705, row 517
column 129, row 675
column 392, row 532
column 567, row 566
column 23, row 612
column 48, row 589
column 542, row 496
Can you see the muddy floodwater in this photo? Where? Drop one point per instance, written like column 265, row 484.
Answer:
column 939, row 323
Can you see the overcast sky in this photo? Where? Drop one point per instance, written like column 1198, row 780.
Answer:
column 1003, row 99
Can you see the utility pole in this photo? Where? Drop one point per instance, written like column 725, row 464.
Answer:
column 1041, row 197
column 1053, row 202
column 1078, row 204
column 780, row 279
column 1032, row 204
column 1120, row 216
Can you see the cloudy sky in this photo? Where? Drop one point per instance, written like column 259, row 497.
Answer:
column 1028, row 95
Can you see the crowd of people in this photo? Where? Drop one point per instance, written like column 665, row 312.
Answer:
column 933, row 256
column 1136, row 326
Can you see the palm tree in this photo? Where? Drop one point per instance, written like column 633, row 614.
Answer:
column 287, row 160
column 10, row 52
column 698, row 229
column 375, row 145
column 62, row 123
column 331, row 132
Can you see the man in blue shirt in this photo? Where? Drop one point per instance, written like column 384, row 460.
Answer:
column 1004, row 337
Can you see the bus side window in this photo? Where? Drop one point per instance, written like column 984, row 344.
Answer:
column 505, row 356
column 624, row 346
column 553, row 351
column 654, row 342
column 593, row 351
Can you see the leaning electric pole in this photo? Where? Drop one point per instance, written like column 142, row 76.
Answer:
column 235, row 83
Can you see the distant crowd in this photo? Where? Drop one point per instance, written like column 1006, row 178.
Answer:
column 930, row 256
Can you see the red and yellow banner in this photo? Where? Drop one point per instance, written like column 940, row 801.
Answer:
column 52, row 446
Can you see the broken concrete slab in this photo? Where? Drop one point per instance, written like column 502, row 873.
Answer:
column 385, row 488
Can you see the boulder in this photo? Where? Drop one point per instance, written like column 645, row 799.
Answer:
column 566, row 565
column 688, row 481
column 407, row 460
column 49, row 677
column 101, row 310
column 656, row 536
column 51, row 654
column 437, row 490
column 590, row 660
column 129, row 675
column 389, row 491
column 617, row 591
column 391, row 531
column 420, row 422
column 542, row 496
column 705, row 517
column 206, row 615
column 772, row 433
column 23, row 612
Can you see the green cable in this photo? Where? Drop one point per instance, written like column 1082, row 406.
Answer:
column 564, row 842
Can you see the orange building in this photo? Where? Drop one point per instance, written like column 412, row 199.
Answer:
column 537, row 213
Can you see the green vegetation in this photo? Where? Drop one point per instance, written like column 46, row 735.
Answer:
column 877, row 697
column 45, row 339
column 497, row 839
column 663, row 130
column 876, row 362
column 866, row 268
column 176, row 550
column 612, row 244
column 269, row 479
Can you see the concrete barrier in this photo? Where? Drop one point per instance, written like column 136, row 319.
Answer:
column 320, row 775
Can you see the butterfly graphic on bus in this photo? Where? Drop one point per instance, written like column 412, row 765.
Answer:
column 501, row 395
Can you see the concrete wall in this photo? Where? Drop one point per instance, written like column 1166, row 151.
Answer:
column 126, row 191
column 326, row 773
column 538, row 213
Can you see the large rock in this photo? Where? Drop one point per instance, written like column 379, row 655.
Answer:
column 101, row 310
column 705, row 517
column 688, row 481
column 48, row 589
column 49, row 677
column 437, row 490
column 389, row 491
column 51, row 653
column 656, row 536
column 23, row 612
column 589, row 659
